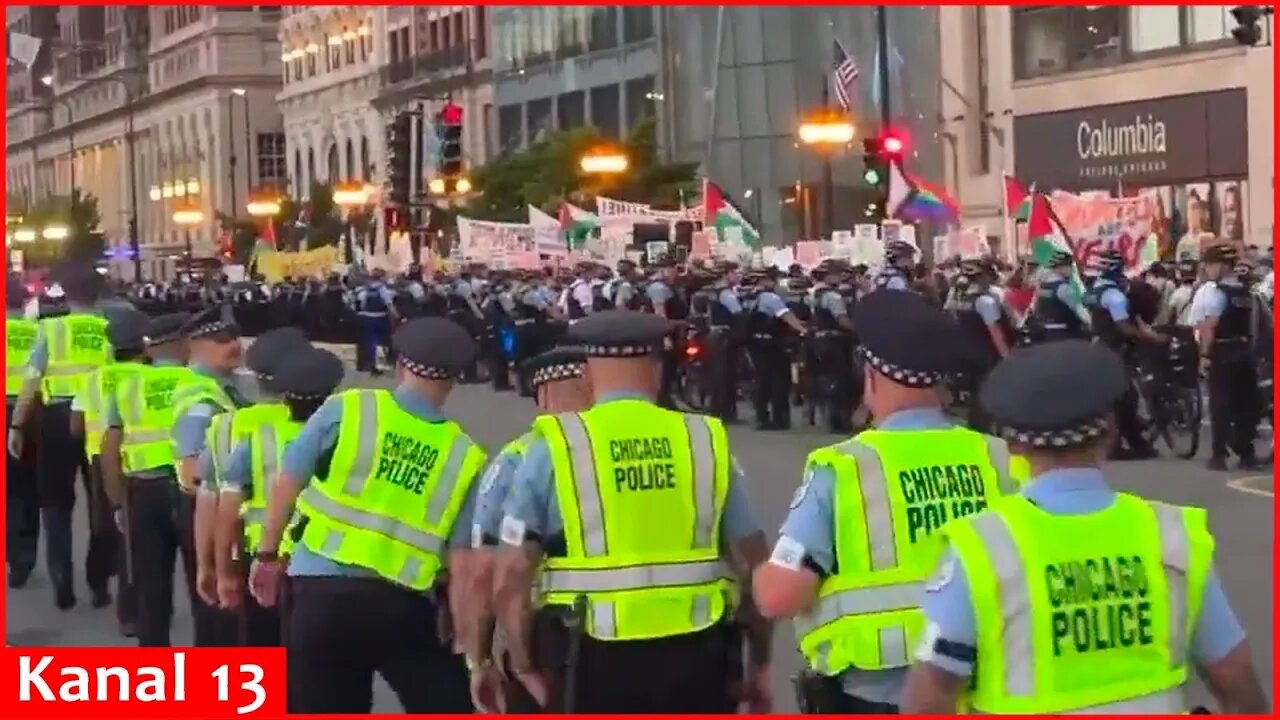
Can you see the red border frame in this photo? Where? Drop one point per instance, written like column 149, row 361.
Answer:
column 11, row 709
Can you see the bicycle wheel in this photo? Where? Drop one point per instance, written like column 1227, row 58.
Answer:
column 1145, row 403
column 1180, row 425
column 690, row 391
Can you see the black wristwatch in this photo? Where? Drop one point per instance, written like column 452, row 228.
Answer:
column 267, row 556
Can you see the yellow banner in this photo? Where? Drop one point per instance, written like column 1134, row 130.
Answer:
column 276, row 266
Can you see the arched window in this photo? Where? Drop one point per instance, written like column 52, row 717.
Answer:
column 352, row 173
column 297, row 172
column 366, row 162
column 311, row 173
column 332, row 162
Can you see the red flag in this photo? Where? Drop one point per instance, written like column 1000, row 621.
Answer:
column 712, row 201
column 1040, row 219
column 1014, row 195
column 268, row 237
column 566, row 217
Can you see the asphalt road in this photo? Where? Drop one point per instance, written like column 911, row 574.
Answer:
column 1240, row 508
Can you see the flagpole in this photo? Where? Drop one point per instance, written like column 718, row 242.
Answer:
column 1010, row 232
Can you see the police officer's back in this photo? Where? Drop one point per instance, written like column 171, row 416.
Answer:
column 1070, row 597
column 1057, row 313
column 644, row 607
column 861, row 534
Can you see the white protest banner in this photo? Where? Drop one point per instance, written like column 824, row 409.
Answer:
column 967, row 244
column 867, row 231
column 480, row 240
column 1094, row 224
column 842, row 239
column 890, row 231
column 908, row 235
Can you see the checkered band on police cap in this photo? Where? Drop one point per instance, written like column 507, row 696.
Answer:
column 560, row 371
column 211, row 328
column 1059, row 438
column 899, row 374
column 427, row 372
column 618, row 351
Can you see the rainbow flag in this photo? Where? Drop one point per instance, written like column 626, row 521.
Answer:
column 915, row 200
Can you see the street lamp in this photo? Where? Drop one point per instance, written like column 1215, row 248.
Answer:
column 188, row 217
column 829, row 132
column 55, row 232
column 24, row 235
column 350, row 196
column 604, row 161
column 263, row 208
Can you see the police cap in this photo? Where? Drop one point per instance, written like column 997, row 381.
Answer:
column 127, row 329
column 307, row 372
column 1110, row 260
column 618, row 334
column 562, row 363
column 215, row 322
column 891, row 325
column 166, row 328
column 1226, row 254
column 271, row 348
column 434, row 348
column 1056, row 394
column 80, row 281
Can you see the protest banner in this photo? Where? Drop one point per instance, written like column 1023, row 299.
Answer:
column 480, row 240
column 1093, row 224
column 275, row 266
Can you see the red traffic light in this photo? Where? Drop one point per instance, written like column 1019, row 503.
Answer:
column 892, row 145
column 451, row 114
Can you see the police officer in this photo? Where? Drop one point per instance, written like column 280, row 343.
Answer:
column 1070, row 597
column 208, row 390
column 302, row 377
column 464, row 309
column 986, row 327
column 138, row 474
column 725, row 324
column 1224, row 324
column 66, row 349
column 375, row 308
column 557, row 378
column 642, row 608
column 1058, row 313
column 499, row 308
column 226, row 453
column 385, row 485
column 621, row 291
column 1177, row 306
column 771, row 392
column 1117, row 328
column 22, row 499
column 126, row 334
column 662, row 300
column 899, row 262
column 859, row 539
column 832, row 350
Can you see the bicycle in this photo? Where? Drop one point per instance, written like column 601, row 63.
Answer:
column 1170, row 401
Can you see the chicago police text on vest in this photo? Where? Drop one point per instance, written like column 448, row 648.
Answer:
column 642, row 464
column 159, row 393
column 86, row 339
column 406, row 462
column 1099, row 604
column 936, row 494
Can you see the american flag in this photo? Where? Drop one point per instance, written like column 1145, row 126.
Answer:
column 844, row 77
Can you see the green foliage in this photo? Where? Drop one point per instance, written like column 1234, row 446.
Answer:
column 546, row 173
column 79, row 214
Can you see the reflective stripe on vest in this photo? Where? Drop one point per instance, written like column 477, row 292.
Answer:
column 264, row 455
column 20, row 338
column 1015, row 594
column 634, row 577
column 891, row 639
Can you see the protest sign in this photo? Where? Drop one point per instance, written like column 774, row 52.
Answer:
column 276, row 266
column 1094, row 224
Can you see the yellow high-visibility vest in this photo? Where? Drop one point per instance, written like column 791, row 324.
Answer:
column 642, row 493
column 19, row 338
column 145, row 401
column 229, row 429
column 393, row 492
column 894, row 490
column 1083, row 612
column 77, row 345
column 266, row 456
column 100, row 385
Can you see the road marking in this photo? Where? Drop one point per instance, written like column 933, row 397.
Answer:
column 1245, row 485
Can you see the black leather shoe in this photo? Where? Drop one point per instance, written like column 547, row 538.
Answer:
column 100, row 599
column 64, row 598
column 18, row 578
column 1217, row 463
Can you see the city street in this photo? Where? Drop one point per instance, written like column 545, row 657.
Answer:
column 1240, row 509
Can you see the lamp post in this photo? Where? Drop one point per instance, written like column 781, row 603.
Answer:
column 350, row 196
column 828, row 131
column 188, row 217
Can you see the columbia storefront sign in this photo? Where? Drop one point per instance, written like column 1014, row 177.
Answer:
column 1161, row 141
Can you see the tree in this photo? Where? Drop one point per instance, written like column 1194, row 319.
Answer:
column 79, row 214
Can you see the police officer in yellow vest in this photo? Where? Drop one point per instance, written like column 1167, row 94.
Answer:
column 210, row 389
column 294, row 379
column 1069, row 597
column 66, row 350
column 386, row 487
column 557, row 378
column 861, row 535
column 640, row 524
column 22, row 500
column 126, row 333
column 138, row 474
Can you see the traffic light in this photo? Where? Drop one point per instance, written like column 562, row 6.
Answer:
column 878, row 155
column 1248, row 29
column 449, row 157
column 399, row 160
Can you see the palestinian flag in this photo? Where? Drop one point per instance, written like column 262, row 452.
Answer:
column 721, row 213
column 1017, row 199
column 1048, row 237
column 577, row 225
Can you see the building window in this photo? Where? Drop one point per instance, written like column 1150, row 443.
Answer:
column 311, row 172
column 605, row 111
column 510, row 128
column 604, row 28
column 366, row 162
column 572, row 109
column 311, row 64
column 459, row 32
column 637, row 23
column 480, row 28
column 351, row 161
column 640, row 101
column 1154, row 27
column 1207, row 23
column 297, row 172
column 271, row 160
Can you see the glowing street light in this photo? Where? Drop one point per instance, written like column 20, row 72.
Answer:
column 604, row 162
column 436, row 186
column 24, row 235
column 166, row 190
column 56, row 232
column 154, row 194
column 827, row 129
column 462, row 186
column 193, row 186
column 263, row 208
column 351, row 195
column 188, row 216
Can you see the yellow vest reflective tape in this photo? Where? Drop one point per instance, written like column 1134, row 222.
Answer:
column 634, row 577
column 858, row 601
column 1019, row 642
column 20, row 338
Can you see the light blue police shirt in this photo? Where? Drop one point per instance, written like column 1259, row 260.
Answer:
column 535, row 298
column 237, row 473
column 1214, row 302
column 895, row 281
column 659, row 293
column 771, row 303
column 531, row 501
column 188, row 432
column 1076, row 491
column 1113, row 300
column 829, row 299
column 495, row 486
column 111, row 418
column 319, row 436
column 623, row 291
column 811, row 525
column 988, row 308
column 1067, row 295
column 462, row 288
column 362, row 296
column 730, row 300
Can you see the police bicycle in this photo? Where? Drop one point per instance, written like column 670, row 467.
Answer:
column 1170, row 404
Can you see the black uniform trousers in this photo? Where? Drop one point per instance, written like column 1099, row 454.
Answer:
column 721, row 373
column 771, row 392
column 159, row 529
column 22, row 505
column 1233, row 400
column 839, row 391
column 374, row 333
column 342, row 630
column 495, row 355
